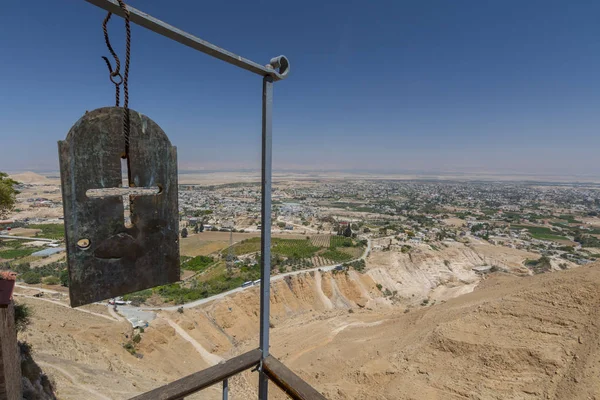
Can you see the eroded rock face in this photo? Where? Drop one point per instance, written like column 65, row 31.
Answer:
column 36, row 384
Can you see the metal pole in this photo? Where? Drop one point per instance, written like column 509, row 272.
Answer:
column 278, row 67
column 265, row 243
column 225, row 389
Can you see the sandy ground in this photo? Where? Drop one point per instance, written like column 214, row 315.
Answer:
column 593, row 222
column 512, row 338
column 453, row 221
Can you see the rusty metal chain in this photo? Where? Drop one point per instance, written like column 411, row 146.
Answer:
column 116, row 73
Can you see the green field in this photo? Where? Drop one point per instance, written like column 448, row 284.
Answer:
column 341, row 241
column 198, row 263
column 294, row 248
column 539, row 232
column 10, row 254
column 49, row 231
column 570, row 219
column 247, row 246
column 336, row 255
column 291, row 248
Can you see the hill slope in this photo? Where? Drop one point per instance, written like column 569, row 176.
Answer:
column 512, row 338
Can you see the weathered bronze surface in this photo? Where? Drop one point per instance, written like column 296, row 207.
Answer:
column 106, row 258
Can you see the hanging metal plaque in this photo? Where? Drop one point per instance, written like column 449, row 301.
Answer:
column 120, row 208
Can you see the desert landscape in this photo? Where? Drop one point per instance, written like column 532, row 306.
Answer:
column 401, row 298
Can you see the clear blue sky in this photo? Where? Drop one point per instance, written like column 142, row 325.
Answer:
column 399, row 85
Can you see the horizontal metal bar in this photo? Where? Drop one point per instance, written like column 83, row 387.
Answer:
column 294, row 386
column 203, row 379
column 278, row 67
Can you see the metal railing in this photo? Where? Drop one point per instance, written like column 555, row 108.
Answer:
column 272, row 368
column 268, row 367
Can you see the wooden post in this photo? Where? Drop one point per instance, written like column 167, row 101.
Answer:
column 10, row 360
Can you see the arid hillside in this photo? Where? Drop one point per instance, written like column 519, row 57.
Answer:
column 396, row 331
column 532, row 337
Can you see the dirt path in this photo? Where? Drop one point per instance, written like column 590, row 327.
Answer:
column 74, row 380
column 332, row 336
column 211, row 359
column 326, row 302
column 67, row 306
column 38, row 288
column 116, row 316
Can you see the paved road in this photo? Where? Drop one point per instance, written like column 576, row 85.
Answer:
column 27, row 238
column 239, row 289
column 134, row 313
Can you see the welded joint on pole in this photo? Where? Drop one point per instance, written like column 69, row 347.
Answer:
column 259, row 366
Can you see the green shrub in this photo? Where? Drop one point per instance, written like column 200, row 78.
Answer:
column 22, row 316
column 358, row 265
column 31, row 278
column 129, row 347
column 64, row 277
column 540, row 265
column 51, row 280
column 21, row 268
column 137, row 338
